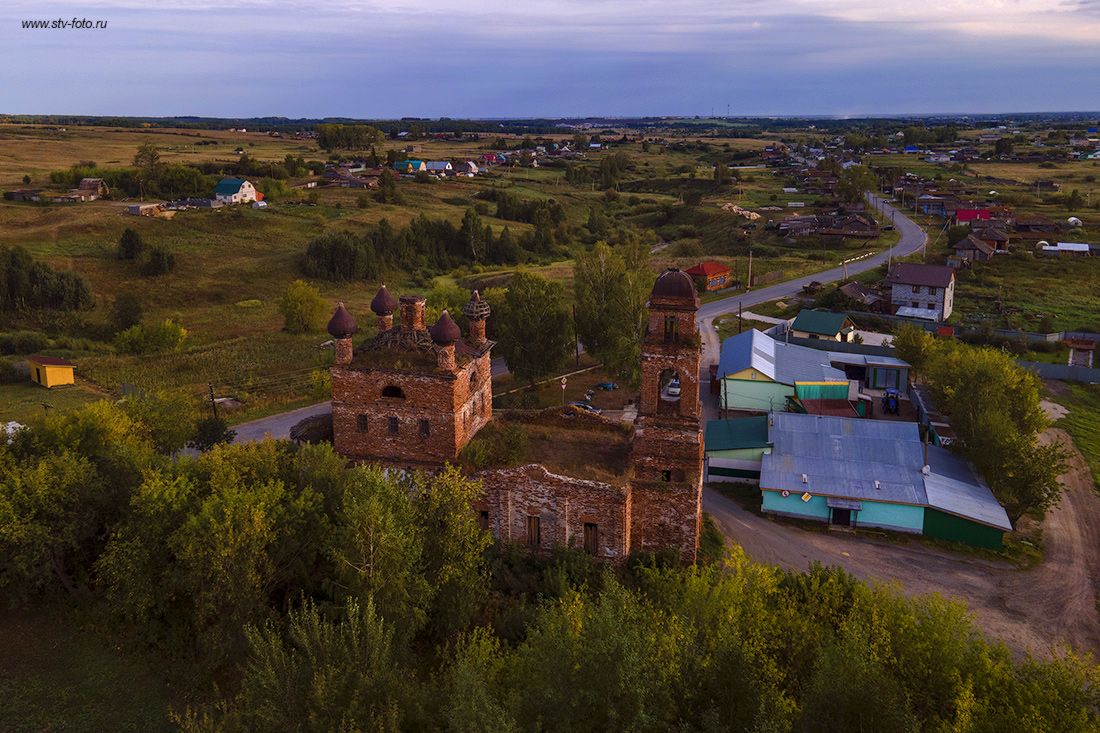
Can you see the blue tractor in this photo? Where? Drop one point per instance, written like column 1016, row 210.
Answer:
column 891, row 401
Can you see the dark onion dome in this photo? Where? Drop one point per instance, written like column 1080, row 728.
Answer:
column 476, row 309
column 673, row 283
column 445, row 331
column 383, row 304
column 342, row 325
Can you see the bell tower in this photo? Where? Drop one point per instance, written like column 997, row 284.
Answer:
column 667, row 452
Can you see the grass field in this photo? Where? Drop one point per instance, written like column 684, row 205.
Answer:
column 1083, row 421
column 59, row 677
column 237, row 255
column 22, row 401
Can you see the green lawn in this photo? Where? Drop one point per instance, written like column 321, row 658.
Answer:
column 24, row 401
column 1083, row 421
column 56, row 676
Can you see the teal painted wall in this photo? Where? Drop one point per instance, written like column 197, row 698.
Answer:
column 893, row 516
column 744, row 394
column 815, row 508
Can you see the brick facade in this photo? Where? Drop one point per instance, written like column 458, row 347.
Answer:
column 400, row 382
column 402, row 398
column 563, row 506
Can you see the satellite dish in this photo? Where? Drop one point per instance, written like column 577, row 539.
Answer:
column 1043, row 243
column 1073, row 221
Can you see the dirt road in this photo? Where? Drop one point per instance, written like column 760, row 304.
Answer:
column 1031, row 610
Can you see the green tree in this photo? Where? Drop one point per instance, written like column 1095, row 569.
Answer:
column 130, row 245
column 1003, row 146
column 377, row 548
column 612, row 287
column 160, row 262
column 388, row 192
column 722, row 174
column 303, row 308
column 534, row 329
column 211, row 432
column 126, row 311
column 169, row 418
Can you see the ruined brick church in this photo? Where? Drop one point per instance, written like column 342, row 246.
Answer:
column 414, row 396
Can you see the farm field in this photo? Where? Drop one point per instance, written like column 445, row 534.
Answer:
column 1082, row 421
column 233, row 264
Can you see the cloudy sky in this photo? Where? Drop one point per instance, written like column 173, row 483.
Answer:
column 510, row 58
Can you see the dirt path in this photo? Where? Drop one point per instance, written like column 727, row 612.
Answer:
column 1031, row 610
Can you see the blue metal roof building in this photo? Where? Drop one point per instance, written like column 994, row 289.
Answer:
column 878, row 473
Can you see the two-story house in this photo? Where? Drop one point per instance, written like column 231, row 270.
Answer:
column 922, row 291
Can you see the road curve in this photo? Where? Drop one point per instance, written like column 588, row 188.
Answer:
column 913, row 237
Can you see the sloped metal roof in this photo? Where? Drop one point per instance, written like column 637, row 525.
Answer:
column 784, row 363
column 845, row 457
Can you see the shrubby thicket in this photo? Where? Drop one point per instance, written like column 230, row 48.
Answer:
column 323, row 598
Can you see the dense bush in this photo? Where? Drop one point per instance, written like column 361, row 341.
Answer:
column 25, row 283
column 303, row 308
column 23, row 342
column 164, row 336
column 160, row 262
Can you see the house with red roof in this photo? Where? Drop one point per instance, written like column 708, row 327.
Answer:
column 965, row 216
column 711, row 275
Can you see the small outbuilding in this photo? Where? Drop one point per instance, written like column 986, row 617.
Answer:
column 822, row 324
column 711, row 275
column 50, row 371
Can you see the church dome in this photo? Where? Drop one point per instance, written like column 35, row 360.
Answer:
column 445, row 331
column 383, row 304
column 674, row 283
column 476, row 309
column 342, row 325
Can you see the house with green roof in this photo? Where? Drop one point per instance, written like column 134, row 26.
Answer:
column 235, row 191
column 410, row 166
column 821, row 324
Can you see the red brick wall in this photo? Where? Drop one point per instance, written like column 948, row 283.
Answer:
column 454, row 412
column 563, row 505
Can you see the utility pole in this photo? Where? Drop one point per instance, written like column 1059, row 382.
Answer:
column 740, row 327
column 748, row 285
column 213, row 403
column 576, row 336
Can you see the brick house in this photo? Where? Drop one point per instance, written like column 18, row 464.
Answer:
column 414, row 396
column 922, row 291
column 711, row 275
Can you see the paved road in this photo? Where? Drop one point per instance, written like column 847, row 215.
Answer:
column 912, row 238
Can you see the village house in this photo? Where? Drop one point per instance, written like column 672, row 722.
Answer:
column 236, row 191
column 864, row 296
column 1066, row 249
column 820, row 324
column 711, row 275
column 439, row 167
column 409, row 167
column 922, row 291
column 93, row 188
column 973, row 249
column 414, row 396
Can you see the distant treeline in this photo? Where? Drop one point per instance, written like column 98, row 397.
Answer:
column 429, row 245
column 25, row 283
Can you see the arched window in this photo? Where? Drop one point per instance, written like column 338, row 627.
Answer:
column 393, row 391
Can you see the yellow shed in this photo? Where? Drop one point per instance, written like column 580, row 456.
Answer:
column 50, row 371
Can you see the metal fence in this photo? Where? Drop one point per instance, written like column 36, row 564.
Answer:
column 1064, row 372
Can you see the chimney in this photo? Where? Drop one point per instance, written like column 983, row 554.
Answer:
column 412, row 312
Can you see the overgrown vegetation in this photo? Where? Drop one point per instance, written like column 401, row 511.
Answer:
column 325, row 598
column 994, row 408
